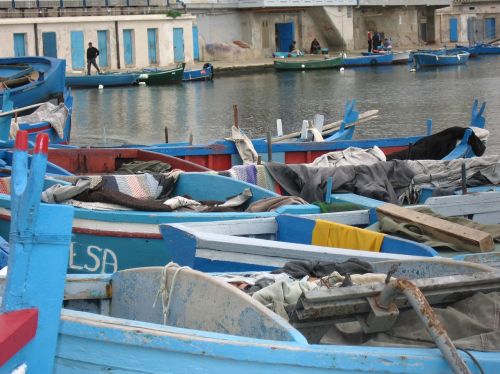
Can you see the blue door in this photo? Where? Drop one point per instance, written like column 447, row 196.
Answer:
column 19, row 45
column 489, row 29
column 77, row 50
column 49, row 44
column 285, row 34
column 453, row 30
column 178, row 44
column 152, row 46
column 128, row 47
column 102, row 46
column 196, row 48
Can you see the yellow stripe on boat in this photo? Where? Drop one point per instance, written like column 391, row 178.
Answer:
column 332, row 234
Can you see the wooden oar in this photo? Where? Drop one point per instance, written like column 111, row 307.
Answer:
column 331, row 127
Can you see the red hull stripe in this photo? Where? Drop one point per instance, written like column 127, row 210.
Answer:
column 16, row 330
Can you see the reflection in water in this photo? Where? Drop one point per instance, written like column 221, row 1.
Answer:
column 405, row 100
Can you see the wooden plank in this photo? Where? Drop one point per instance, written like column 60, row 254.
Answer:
column 331, row 127
column 465, row 238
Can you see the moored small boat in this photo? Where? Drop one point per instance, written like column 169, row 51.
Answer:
column 31, row 80
column 398, row 57
column 488, row 49
column 204, row 74
column 302, row 64
column 422, row 59
column 372, row 60
column 104, row 79
column 159, row 77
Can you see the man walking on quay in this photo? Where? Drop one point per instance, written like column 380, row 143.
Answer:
column 92, row 53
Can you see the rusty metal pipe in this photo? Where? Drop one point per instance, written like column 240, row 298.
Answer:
column 426, row 314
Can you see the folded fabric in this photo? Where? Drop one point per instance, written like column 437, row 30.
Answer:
column 179, row 201
column 244, row 146
column 139, row 167
column 338, row 235
column 299, row 269
column 270, row 204
column 350, row 156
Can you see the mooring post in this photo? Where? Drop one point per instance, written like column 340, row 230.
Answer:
column 269, row 147
column 166, row 134
column 235, row 116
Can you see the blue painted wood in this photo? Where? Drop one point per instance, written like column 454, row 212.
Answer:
column 36, row 240
column 128, row 47
column 19, row 44
column 286, row 35
column 51, row 81
column 372, row 60
column 49, row 44
column 477, row 118
column 490, row 28
column 107, row 80
column 453, row 30
column 152, row 46
column 77, row 50
column 196, row 47
column 204, row 74
column 109, row 240
column 178, row 44
column 102, row 46
column 110, row 342
column 422, row 59
column 488, row 49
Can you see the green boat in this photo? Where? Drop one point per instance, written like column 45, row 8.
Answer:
column 157, row 77
column 327, row 63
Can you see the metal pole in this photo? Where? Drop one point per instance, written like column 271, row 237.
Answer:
column 269, row 147
column 427, row 316
column 166, row 134
column 235, row 116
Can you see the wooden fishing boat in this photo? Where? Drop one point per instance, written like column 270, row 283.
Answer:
column 267, row 243
column 327, row 63
column 159, row 77
column 204, row 74
column 422, row 59
column 278, row 54
column 104, row 79
column 31, row 297
column 31, row 119
column 31, row 80
column 210, row 326
column 397, row 57
column 472, row 50
column 109, row 240
column 94, row 161
column 373, row 60
column 488, row 49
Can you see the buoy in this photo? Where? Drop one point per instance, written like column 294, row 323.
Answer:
column 413, row 70
column 342, row 69
column 302, row 66
column 100, row 87
column 142, row 83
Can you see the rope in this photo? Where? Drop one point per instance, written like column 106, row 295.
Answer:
column 166, row 291
column 476, row 362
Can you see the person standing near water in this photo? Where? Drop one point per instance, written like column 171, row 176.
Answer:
column 369, row 41
column 92, row 53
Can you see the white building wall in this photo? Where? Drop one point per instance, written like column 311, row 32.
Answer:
column 63, row 26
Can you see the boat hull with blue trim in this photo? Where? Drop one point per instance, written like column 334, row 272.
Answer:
column 326, row 63
column 204, row 74
column 220, row 247
column 488, row 49
column 214, row 327
column 106, row 241
column 397, row 57
column 372, row 60
column 33, row 129
column 104, row 79
column 159, row 77
column 32, row 80
column 430, row 59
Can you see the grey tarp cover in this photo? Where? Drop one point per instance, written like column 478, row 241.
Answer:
column 472, row 323
column 381, row 181
column 412, row 232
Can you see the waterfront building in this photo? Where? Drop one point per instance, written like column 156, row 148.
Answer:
column 469, row 22
column 140, row 33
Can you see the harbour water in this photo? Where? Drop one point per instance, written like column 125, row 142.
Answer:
column 204, row 109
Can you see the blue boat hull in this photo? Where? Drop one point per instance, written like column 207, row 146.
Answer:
column 431, row 59
column 488, row 49
column 205, row 74
column 372, row 60
column 107, row 241
column 106, row 80
column 49, row 85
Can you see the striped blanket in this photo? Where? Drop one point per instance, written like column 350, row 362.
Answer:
column 254, row 174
